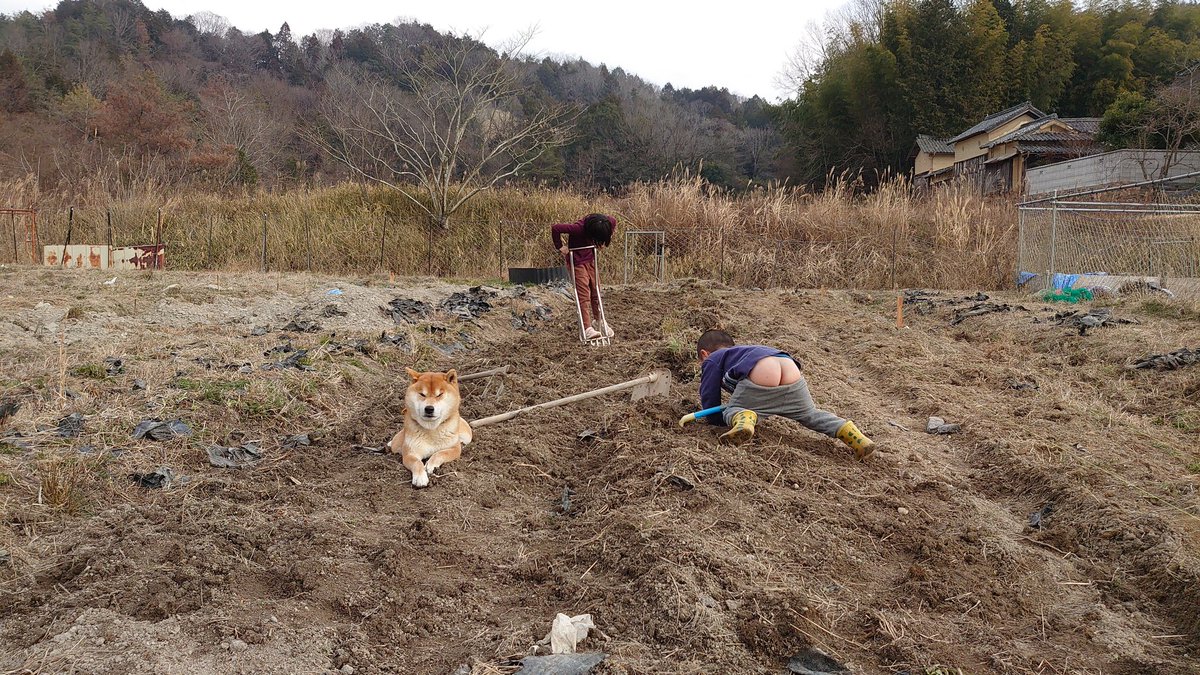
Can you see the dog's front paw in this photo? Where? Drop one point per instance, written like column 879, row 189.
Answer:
column 420, row 480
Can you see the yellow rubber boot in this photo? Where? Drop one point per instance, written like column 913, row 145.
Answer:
column 851, row 436
column 743, row 428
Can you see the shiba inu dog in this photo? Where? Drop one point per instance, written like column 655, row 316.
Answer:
column 433, row 432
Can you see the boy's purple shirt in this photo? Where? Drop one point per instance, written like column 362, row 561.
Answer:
column 727, row 366
column 577, row 238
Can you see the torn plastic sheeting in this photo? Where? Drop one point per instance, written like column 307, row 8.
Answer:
column 1170, row 361
column 567, row 632
column 405, row 310
column 158, row 430
column 161, row 478
column 1038, row 517
column 247, row 454
column 397, row 340
column 561, row 664
column 813, row 661
column 71, row 426
column 296, row 441
column 298, row 325
column 469, row 304
column 527, row 320
column 295, row 360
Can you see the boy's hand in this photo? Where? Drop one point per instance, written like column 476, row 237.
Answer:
column 565, row 250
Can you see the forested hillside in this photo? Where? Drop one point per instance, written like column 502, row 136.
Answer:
column 886, row 70
column 110, row 87
column 108, row 90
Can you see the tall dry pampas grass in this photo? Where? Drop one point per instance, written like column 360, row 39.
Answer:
column 778, row 236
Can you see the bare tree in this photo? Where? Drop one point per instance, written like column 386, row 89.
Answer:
column 1160, row 128
column 236, row 118
column 208, row 23
column 450, row 126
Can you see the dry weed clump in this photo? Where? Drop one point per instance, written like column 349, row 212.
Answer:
column 778, row 236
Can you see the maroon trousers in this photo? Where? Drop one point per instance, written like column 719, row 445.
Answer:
column 588, row 292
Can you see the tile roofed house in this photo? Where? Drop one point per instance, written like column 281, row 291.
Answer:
column 1049, row 139
column 934, row 162
column 1002, row 118
column 995, row 152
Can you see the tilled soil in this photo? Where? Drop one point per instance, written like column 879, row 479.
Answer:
column 690, row 557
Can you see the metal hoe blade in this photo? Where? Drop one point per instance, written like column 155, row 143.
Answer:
column 659, row 384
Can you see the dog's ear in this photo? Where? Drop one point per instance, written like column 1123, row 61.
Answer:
column 413, row 374
column 452, row 376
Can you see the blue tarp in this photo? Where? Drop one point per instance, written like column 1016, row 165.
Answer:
column 1062, row 282
column 1025, row 277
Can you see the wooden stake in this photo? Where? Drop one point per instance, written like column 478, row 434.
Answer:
column 899, row 310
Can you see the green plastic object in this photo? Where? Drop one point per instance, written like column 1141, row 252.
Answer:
column 1068, row 295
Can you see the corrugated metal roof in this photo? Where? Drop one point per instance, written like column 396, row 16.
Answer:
column 999, row 119
column 934, row 146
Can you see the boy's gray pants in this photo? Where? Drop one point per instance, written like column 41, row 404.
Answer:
column 791, row 401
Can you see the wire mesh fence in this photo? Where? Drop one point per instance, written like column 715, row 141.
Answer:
column 1143, row 236
column 370, row 240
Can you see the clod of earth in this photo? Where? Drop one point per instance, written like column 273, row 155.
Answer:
column 244, row 455
column 259, row 330
column 138, row 385
column 566, row 500
column 937, row 425
column 561, row 664
column 332, row 311
column 1171, row 361
column 158, row 430
column 70, row 426
column 813, row 661
column 404, row 310
column 114, row 366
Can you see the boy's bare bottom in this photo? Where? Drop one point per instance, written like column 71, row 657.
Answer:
column 776, row 387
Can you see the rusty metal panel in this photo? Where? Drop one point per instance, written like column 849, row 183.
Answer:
column 138, row 257
column 82, row 256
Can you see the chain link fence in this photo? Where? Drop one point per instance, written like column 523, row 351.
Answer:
column 370, row 241
column 1136, row 236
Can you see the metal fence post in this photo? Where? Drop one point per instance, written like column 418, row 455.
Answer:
column 1053, row 238
column 382, row 239
column 264, row 241
column 1020, row 242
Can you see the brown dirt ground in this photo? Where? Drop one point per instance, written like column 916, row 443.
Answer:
column 325, row 556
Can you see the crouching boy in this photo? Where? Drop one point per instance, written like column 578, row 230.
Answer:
column 764, row 381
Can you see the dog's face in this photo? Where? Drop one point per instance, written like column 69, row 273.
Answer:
column 432, row 397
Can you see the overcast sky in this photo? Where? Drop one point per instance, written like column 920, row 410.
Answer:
column 741, row 47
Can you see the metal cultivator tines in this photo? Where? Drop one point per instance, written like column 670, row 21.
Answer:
column 602, row 340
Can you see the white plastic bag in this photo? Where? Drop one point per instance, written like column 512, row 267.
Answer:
column 567, row 632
